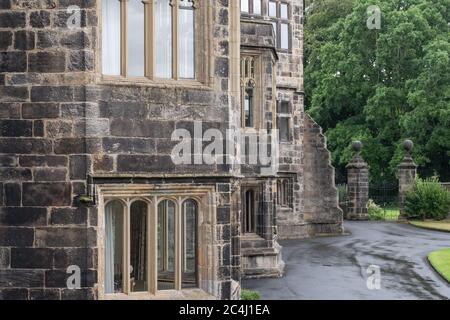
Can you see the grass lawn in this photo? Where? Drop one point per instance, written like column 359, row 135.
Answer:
column 440, row 260
column 386, row 214
column 391, row 213
column 443, row 225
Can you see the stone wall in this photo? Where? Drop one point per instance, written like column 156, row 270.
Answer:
column 60, row 124
column 321, row 214
column 44, row 67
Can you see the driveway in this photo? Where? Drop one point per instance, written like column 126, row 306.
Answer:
column 336, row 267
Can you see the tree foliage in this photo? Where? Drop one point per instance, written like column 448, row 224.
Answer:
column 381, row 86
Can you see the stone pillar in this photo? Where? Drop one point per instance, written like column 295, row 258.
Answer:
column 406, row 171
column 357, row 185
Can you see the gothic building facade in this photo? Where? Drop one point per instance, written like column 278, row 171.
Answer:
column 128, row 131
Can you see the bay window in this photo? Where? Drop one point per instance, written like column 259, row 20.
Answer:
column 150, row 244
column 149, row 38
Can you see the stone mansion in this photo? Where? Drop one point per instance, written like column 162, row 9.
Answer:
column 95, row 96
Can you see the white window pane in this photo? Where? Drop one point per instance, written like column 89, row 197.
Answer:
column 284, row 11
column 284, row 36
column 283, row 127
column 186, row 55
column 257, row 7
column 189, row 244
column 136, row 38
column 138, row 246
column 284, row 107
column 272, row 9
column 111, row 37
column 166, row 245
column 244, row 6
column 114, row 247
column 163, row 42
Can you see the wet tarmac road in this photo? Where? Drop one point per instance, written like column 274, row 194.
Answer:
column 336, row 267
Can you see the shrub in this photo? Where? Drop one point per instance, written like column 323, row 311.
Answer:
column 250, row 295
column 375, row 211
column 427, row 200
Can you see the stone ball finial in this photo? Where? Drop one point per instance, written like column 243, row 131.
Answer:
column 357, row 146
column 408, row 145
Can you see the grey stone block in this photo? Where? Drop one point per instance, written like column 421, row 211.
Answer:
column 13, row 194
column 5, row 254
column 31, row 258
column 47, row 62
column 23, row 216
column 40, row 19
column 16, row 128
column 141, row 163
column 46, row 194
column 82, row 257
column 69, row 216
column 5, row 39
column 58, row 278
column 13, row 294
column 21, row 278
column 52, row 94
column 45, row 294
column 50, row 174
column 12, row 94
column 16, row 237
column 24, row 40
column 12, row 19
column 65, row 237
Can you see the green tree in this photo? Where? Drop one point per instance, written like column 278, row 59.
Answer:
column 381, row 86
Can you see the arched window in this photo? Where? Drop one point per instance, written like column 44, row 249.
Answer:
column 248, row 107
column 279, row 193
column 189, row 243
column 114, row 251
column 249, row 212
column 166, row 245
column 248, row 87
column 138, row 246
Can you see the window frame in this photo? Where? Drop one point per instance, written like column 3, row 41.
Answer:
column 278, row 20
column 251, row 79
column 256, row 225
column 251, row 8
column 202, row 29
column 285, row 192
column 200, row 195
column 285, row 115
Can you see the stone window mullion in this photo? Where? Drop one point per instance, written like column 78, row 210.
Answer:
column 123, row 38
column 178, row 247
column 153, row 247
column 175, row 36
column 149, row 9
column 127, row 249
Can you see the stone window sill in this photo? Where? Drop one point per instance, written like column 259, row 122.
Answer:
column 188, row 294
column 143, row 81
